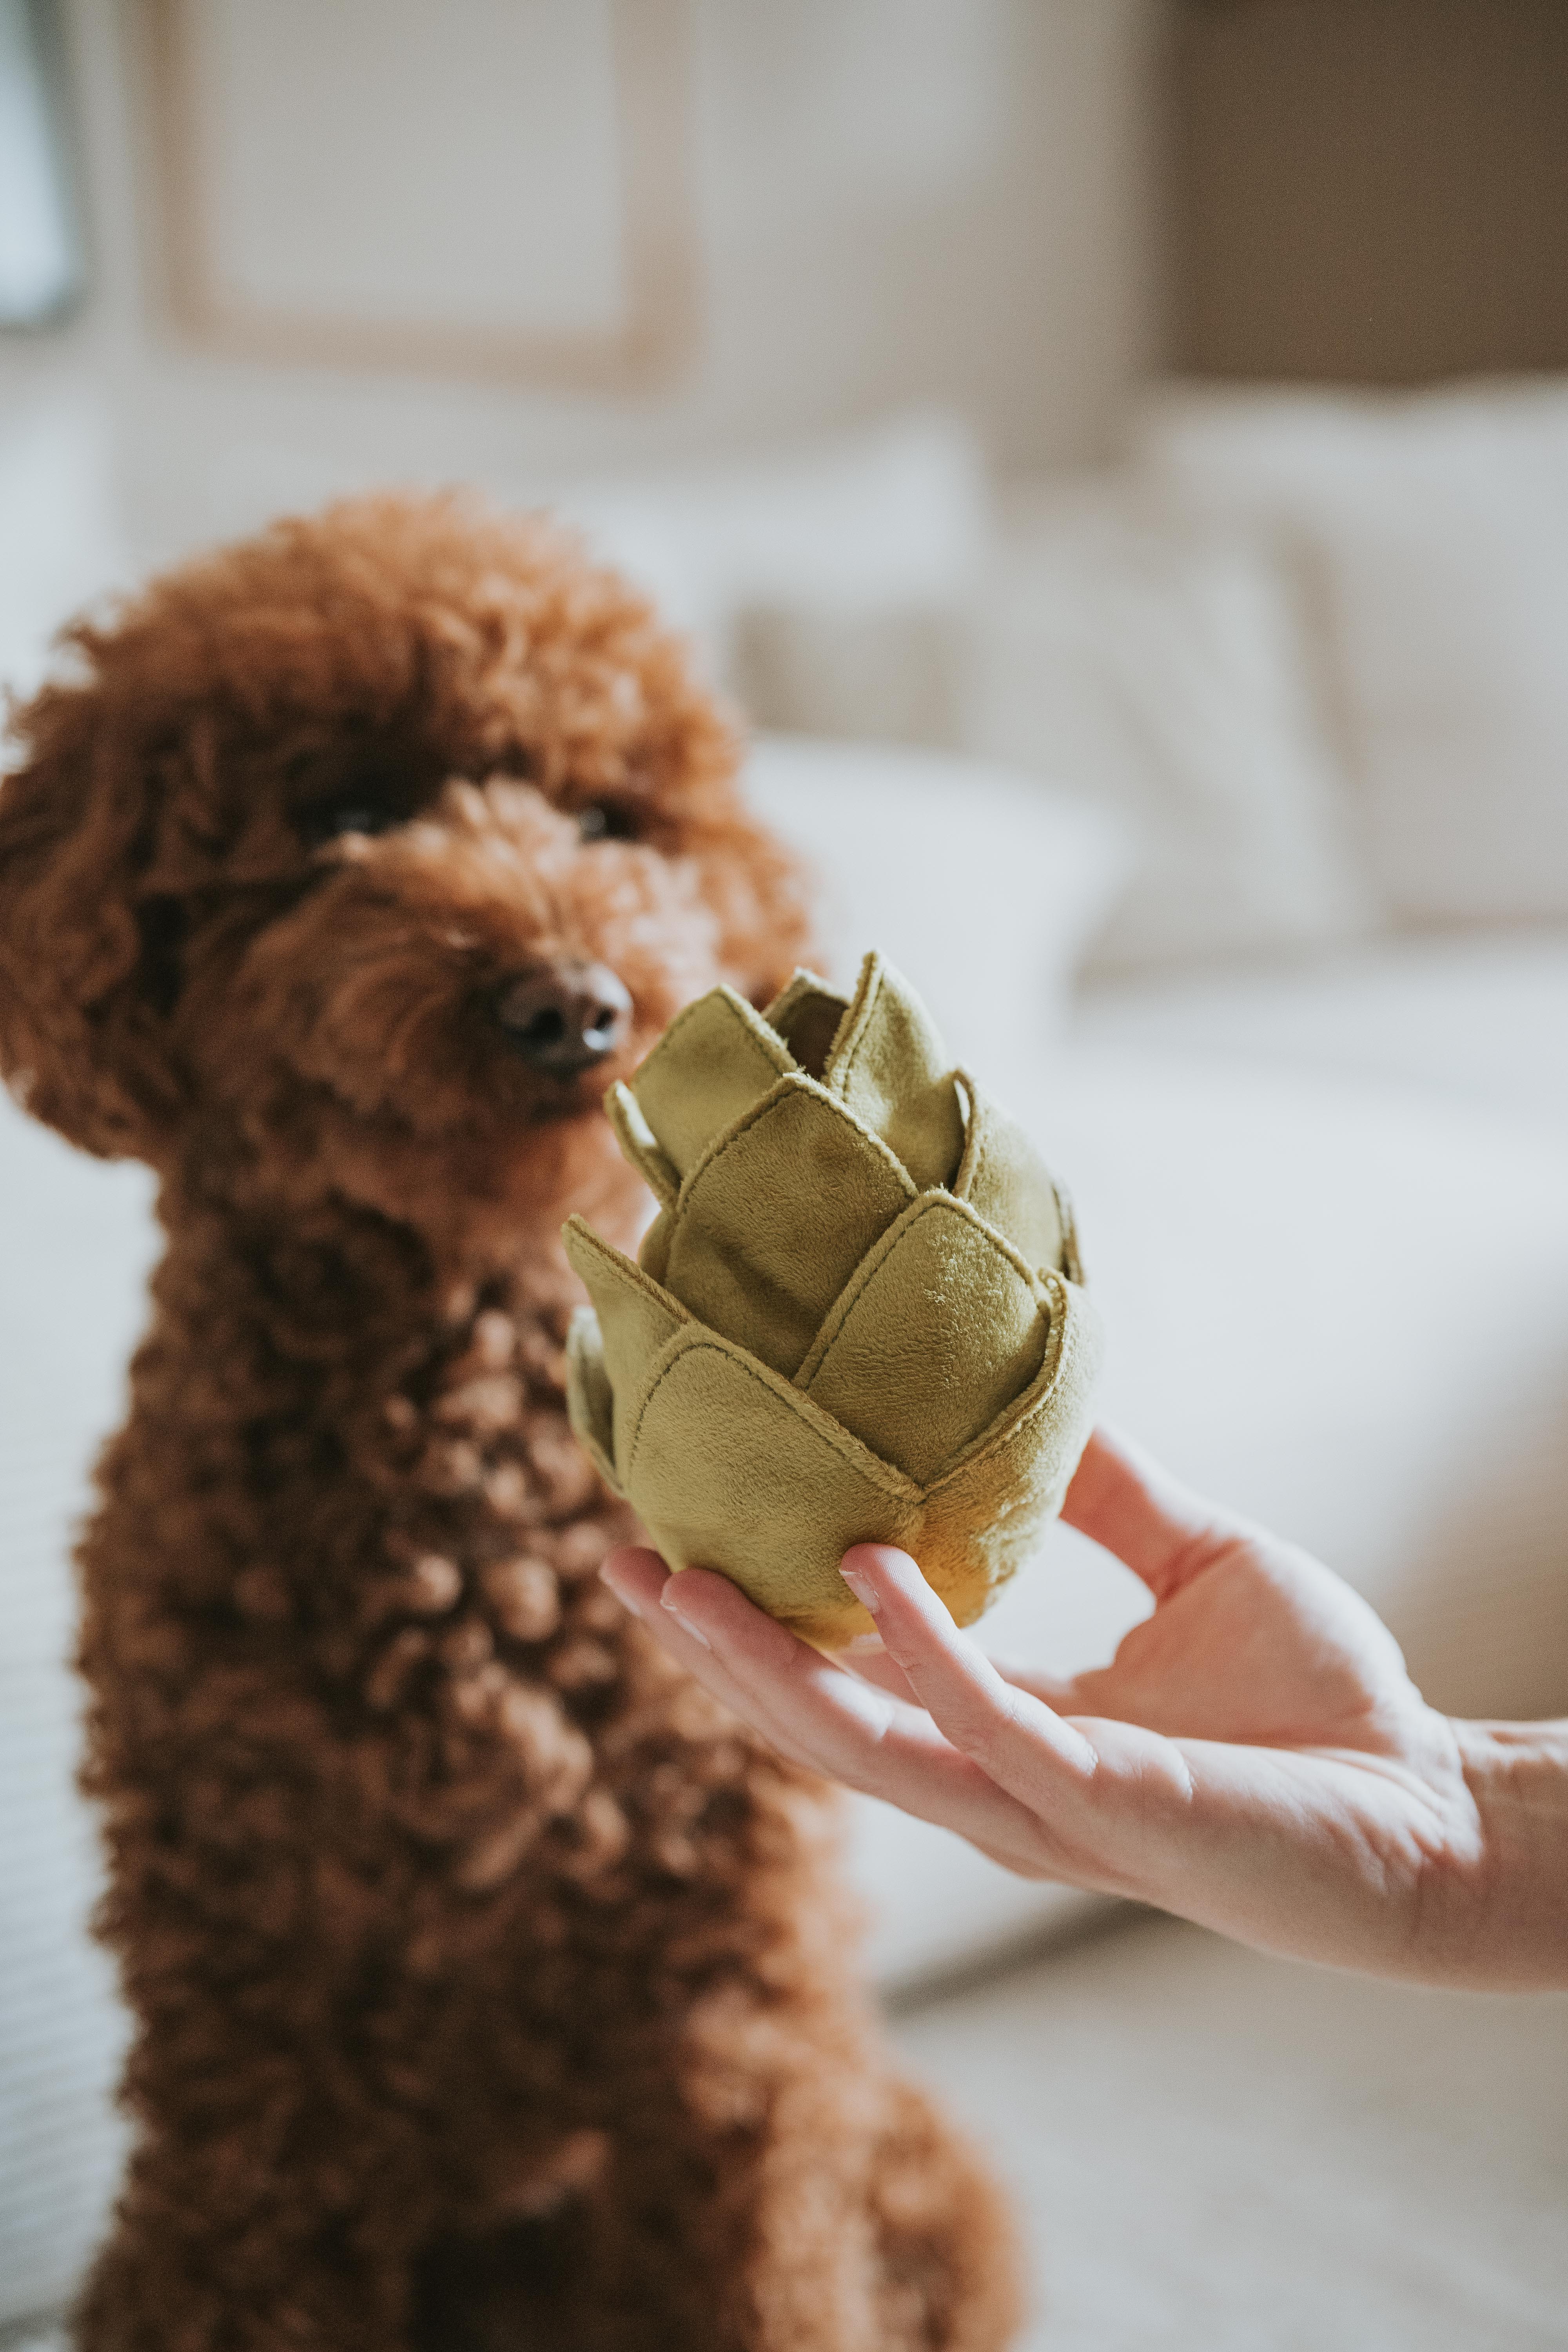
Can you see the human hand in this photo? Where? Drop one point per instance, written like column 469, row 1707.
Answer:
column 1254, row 1758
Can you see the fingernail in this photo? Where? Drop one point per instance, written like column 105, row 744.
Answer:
column 667, row 1600
column 863, row 1592
column 629, row 1601
column 864, row 1642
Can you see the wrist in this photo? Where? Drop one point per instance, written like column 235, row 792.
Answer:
column 1517, row 1775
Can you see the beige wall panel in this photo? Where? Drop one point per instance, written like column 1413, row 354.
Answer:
column 1373, row 191
column 488, row 186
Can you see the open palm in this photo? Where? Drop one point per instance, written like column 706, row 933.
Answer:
column 1254, row 1758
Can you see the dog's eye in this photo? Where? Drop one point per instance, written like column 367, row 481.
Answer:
column 355, row 813
column 608, row 821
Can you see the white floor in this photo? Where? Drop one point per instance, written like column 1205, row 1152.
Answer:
column 1216, row 2152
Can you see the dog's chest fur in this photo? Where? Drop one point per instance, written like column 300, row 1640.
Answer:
column 377, row 1636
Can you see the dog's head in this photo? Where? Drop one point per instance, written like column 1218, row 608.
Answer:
column 380, row 844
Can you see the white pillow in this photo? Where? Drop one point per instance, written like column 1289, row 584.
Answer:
column 860, row 520
column 897, row 514
column 1160, row 669
column 896, row 673
column 980, row 883
column 1433, row 536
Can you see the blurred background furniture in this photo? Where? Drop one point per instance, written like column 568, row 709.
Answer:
column 1200, row 746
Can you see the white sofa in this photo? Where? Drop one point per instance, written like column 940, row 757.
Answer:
column 1326, row 1229
column 1323, row 1199
column 1341, row 1303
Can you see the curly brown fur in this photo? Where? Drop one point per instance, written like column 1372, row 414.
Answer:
column 492, row 1987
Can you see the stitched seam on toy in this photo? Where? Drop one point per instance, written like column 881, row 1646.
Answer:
column 793, row 1082
column 767, row 1041
column 876, row 1257
column 850, row 1034
column 838, row 1034
column 871, row 1467
column 650, row 1159
column 750, row 1023
column 629, row 1268
column 740, row 1010
column 842, row 1307
column 1073, row 1256
column 964, row 1191
column 1034, row 1280
column 976, row 1127
column 1062, row 1349
column 842, row 1077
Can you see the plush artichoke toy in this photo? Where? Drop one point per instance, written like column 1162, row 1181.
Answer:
column 856, row 1317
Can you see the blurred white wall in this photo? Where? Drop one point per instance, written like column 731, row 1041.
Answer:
column 900, row 201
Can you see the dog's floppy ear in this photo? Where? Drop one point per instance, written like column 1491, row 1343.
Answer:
column 81, row 1042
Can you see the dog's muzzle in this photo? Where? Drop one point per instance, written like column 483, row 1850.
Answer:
column 563, row 1017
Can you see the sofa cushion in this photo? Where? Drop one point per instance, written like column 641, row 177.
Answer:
column 980, row 883
column 1477, row 1017
column 1158, row 667
column 1431, row 535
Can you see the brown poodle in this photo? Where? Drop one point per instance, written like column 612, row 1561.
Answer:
column 492, row 1987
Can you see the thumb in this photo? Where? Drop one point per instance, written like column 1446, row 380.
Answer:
column 1123, row 1500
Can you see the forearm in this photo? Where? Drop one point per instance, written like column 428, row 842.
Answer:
column 1518, row 1775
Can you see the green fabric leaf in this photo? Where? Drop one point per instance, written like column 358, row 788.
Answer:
column 939, row 1329
column 590, row 1399
column 888, row 1068
column 730, row 1467
column 1004, row 1180
column 797, row 1165
column 636, row 1319
column 985, row 1520
column 713, row 1062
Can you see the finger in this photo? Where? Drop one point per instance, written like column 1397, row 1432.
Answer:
column 851, row 1724
column 1115, row 1800
column 1107, row 1797
column 1063, row 1694
column 805, row 1707
column 833, row 1721
column 877, row 1666
column 974, row 1706
column 637, row 1577
column 1123, row 1500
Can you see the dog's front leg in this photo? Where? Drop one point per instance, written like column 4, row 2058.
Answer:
column 276, row 2197
column 765, row 2185
column 259, row 2270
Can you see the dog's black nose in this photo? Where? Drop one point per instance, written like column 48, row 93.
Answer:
column 563, row 1017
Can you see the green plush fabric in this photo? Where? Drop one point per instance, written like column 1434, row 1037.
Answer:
column 859, row 1316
